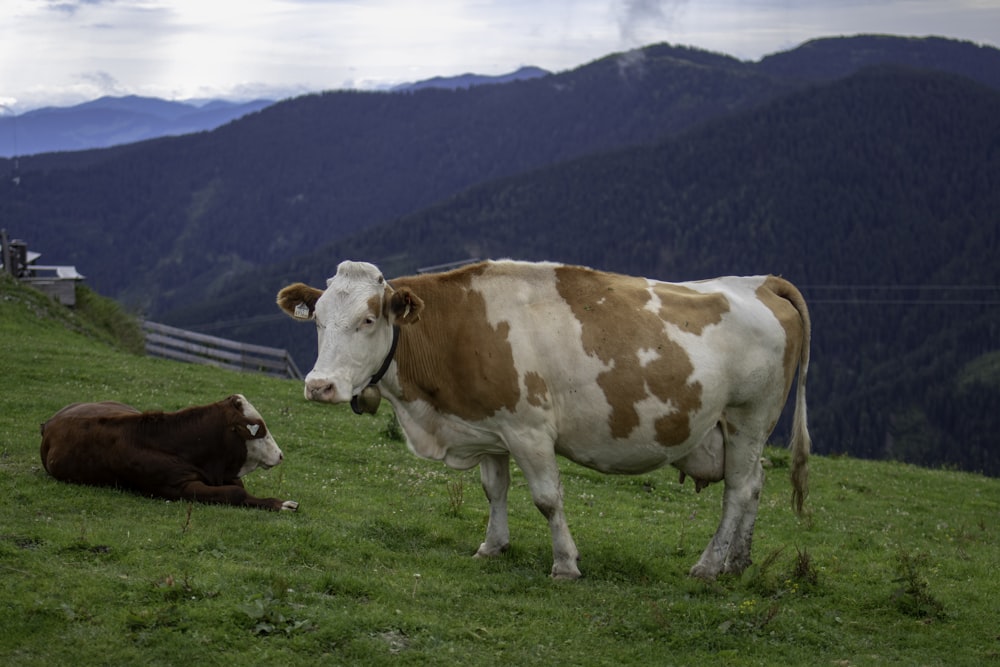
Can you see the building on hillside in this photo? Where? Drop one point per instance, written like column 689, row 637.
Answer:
column 59, row 282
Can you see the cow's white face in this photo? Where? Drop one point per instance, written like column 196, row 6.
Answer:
column 262, row 450
column 354, row 333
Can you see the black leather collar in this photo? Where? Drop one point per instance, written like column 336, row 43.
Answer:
column 388, row 358
column 381, row 371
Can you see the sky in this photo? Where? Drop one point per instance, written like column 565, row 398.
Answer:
column 63, row 52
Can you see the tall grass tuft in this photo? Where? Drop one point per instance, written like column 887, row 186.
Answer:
column 913, row 596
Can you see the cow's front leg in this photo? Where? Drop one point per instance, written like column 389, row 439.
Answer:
column 494, row 472
column 542, row 474
column 231, row 494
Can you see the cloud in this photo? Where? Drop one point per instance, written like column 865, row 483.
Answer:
column 103, row 82
column 71, row 6
column 637, row 17
column 198, row 48
column 636, row 21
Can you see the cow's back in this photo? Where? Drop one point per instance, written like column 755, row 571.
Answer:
column 593, row 357
column 80, row 438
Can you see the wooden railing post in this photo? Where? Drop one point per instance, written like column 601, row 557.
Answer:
column 7, row 264
column 182, row 345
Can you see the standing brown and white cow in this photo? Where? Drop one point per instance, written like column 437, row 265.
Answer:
column 617, row 373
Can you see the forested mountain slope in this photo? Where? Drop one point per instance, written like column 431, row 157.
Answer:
column 878, row 194
column 186, row 210
column 145, row 220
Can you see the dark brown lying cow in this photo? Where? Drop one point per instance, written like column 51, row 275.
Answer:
column 199, row 453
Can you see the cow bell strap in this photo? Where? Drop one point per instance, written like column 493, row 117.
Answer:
column 368, row 399
column 388, row 358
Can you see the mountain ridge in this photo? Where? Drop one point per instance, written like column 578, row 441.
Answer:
column 470, row 79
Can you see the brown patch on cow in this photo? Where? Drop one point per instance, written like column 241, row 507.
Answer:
column 779, row 296
column 375, row 305
column 690, row 310
column 617, row 324
column 537, row 389
column 473, row 380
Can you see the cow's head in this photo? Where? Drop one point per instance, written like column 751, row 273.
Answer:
column 262, row 450
column 354, row 318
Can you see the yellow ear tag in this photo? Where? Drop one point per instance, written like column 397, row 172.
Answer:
column 301, row 311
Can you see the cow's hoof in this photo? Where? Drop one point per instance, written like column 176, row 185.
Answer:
column 486, row 551
column 703, row 572
column 564, row 575
column 290, row 505
column 737, row 566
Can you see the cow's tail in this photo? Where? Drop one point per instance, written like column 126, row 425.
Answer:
column 801, row 442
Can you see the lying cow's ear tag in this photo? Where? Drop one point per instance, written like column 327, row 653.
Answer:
column 253, row 428
column 301, row 311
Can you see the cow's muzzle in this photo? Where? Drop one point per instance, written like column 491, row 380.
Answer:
column 322, row 391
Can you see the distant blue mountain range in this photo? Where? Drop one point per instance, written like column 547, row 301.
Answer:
column 110, row 121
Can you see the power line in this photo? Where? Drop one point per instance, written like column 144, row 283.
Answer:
column 965, row 295
column 859, row 301
column 226, row 324
column 921, row 302
column 902, row 287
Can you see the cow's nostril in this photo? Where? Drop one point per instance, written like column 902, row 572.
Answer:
column 323, row 390
column 320, row 391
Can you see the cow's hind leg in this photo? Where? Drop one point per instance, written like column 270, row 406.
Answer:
column 494, row 472
column 729, row 549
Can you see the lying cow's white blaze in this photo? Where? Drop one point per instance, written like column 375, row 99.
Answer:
column 620, row 374
column 262, row 450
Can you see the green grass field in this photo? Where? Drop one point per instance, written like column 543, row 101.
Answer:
column 896, row 565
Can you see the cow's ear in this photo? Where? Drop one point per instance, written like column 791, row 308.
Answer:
column 404, row 305
column 299, row 300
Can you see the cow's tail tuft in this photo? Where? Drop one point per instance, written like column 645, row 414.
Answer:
column 801, row 442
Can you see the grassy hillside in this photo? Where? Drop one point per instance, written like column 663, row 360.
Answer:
column 895, row 565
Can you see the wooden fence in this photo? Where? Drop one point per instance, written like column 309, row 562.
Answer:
column 182, row 345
